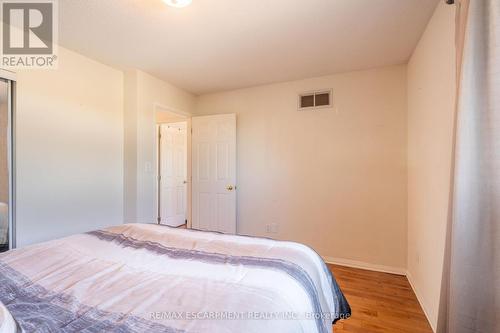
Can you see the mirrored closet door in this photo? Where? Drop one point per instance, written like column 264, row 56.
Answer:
column 5, row 166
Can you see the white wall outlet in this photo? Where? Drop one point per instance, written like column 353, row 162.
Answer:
column 272, row 228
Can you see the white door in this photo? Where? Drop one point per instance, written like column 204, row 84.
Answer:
column 214, row 173
column 173, row 172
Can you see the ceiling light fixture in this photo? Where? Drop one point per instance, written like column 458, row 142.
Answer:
column 178, row 3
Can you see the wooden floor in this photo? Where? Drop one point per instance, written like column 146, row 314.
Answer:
column 380, row 302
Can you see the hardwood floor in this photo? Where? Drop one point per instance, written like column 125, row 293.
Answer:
column 380, row 302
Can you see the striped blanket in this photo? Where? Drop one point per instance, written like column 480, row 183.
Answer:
column 150, row 278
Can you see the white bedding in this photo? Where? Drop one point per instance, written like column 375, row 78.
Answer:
column 136, row 278
column 7, row 324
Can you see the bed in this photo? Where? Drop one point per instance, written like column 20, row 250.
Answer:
column 151, row 278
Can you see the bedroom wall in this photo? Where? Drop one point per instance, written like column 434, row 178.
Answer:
column 144, row 94
column 130, row 115
column 334, row 179
column 431, row 105
column 69, row 146
column 163, row 117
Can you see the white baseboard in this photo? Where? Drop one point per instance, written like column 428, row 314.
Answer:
column 365, row 265
column 420, row 299
column 138, row 220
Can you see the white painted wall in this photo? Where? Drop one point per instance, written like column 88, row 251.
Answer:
column 69, row 147
column 143, row 93
column 431, row 102
column 85, row 135
column 334, row 179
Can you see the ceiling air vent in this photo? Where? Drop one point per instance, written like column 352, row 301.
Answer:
column 315, row 100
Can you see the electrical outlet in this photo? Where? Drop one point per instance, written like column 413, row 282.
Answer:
column 272, row 228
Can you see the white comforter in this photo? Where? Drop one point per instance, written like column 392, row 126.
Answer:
column 138, row 278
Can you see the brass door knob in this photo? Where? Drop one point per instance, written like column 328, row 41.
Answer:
column 229, row 187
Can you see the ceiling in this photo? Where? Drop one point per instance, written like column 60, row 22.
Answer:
column 215, row 45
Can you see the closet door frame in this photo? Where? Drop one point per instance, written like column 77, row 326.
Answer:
column 10, row 78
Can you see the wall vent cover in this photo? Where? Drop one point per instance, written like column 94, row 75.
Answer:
column 315, row 100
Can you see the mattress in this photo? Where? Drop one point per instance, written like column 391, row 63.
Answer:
column 151, row 278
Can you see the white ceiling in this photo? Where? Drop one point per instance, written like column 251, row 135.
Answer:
column 215, row 45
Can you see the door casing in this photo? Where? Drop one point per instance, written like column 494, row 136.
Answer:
column 10, row 78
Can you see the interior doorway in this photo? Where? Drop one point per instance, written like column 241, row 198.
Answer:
column 172, row 168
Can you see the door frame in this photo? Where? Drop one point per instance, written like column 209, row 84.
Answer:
column 11, row 78
column 187, row 118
